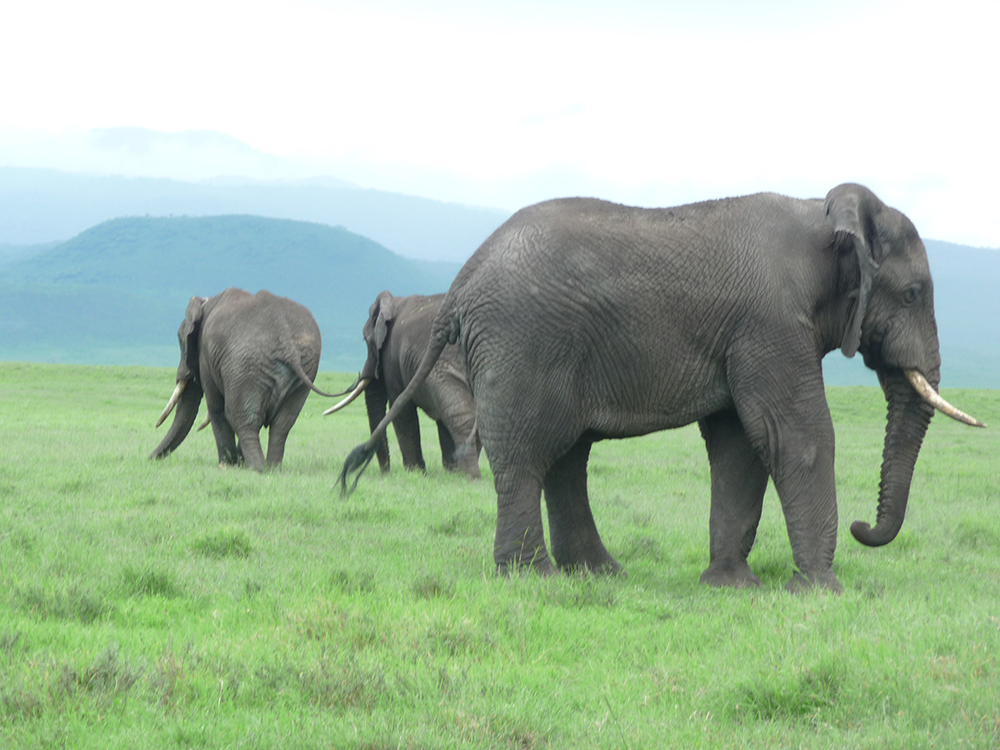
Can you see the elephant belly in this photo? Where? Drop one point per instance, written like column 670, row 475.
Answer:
column 653, row 395
column 622, row 421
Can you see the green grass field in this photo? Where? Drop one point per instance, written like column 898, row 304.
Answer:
column 176, row 604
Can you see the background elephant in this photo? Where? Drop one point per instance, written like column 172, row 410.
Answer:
column 582, row 320
column 397, row 332
column 254, row 357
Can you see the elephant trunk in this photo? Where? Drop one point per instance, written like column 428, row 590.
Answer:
column 907, row 418
column 187, row 400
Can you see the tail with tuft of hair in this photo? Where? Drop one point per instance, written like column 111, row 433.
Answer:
column 357, row 461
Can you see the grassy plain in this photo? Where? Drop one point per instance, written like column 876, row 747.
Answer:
column 176, row 604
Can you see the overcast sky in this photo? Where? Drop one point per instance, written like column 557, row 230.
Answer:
column 506, row 103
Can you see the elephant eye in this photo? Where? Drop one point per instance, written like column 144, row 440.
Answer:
column 911, row 295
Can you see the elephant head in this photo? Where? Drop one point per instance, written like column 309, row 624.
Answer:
column 890, row 320
column 188, row 393
column 376, row 328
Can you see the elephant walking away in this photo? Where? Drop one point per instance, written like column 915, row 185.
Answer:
column 582, row 320
column 254, row 357
column 396, row 333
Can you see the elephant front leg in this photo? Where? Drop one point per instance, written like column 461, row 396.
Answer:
column 447, row 443
column 575, row 540
column 797, row 444
column 225, row 438
column 807, row 490
column 376, row 401
column 407, row 427
column 739, row 480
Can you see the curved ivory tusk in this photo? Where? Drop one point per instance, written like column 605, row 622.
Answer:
column 353, row 395
column 206, row 423
column 174, row 398
column 932, row 397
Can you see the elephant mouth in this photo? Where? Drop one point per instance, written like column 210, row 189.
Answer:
column 872, row 350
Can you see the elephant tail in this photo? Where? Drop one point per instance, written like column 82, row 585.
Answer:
column 297, row 369
column 445, row 331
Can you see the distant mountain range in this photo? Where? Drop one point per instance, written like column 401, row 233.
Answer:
column 44, row 205
column 116, row 293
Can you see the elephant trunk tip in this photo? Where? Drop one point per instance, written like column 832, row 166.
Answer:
column 880, row 535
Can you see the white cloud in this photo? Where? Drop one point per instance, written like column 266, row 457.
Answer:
column 510, row 102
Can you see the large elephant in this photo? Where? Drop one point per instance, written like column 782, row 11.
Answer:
column 396, row 333
column 582, row 320
column 254, row 357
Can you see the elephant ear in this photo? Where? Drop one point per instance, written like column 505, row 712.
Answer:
column 851, row 210
column 380, row 316
column 189, row 336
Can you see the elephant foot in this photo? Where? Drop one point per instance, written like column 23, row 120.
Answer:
column 606, row 565
column 541, row 564
column 609, row 567
column 730, row 574
column 803, row 582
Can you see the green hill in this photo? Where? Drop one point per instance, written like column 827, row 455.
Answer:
column 116, row 293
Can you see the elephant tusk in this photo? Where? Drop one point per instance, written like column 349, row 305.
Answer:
column 206, row 423
column 362, row 384
column 174, row 398
column 932, row 397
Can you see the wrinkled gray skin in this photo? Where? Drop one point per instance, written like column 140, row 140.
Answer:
column 582, row 320
column 396, row 333
column 254, row 358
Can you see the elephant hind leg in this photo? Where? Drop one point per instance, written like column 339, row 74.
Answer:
column 447, row 443
column 282, row 424
column 739, row 479
column 407, row 427
column 249, row 446
column 520, row 538
column 576, row 542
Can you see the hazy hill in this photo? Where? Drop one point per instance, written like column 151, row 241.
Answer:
column 117, row 292
column 43, row 205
